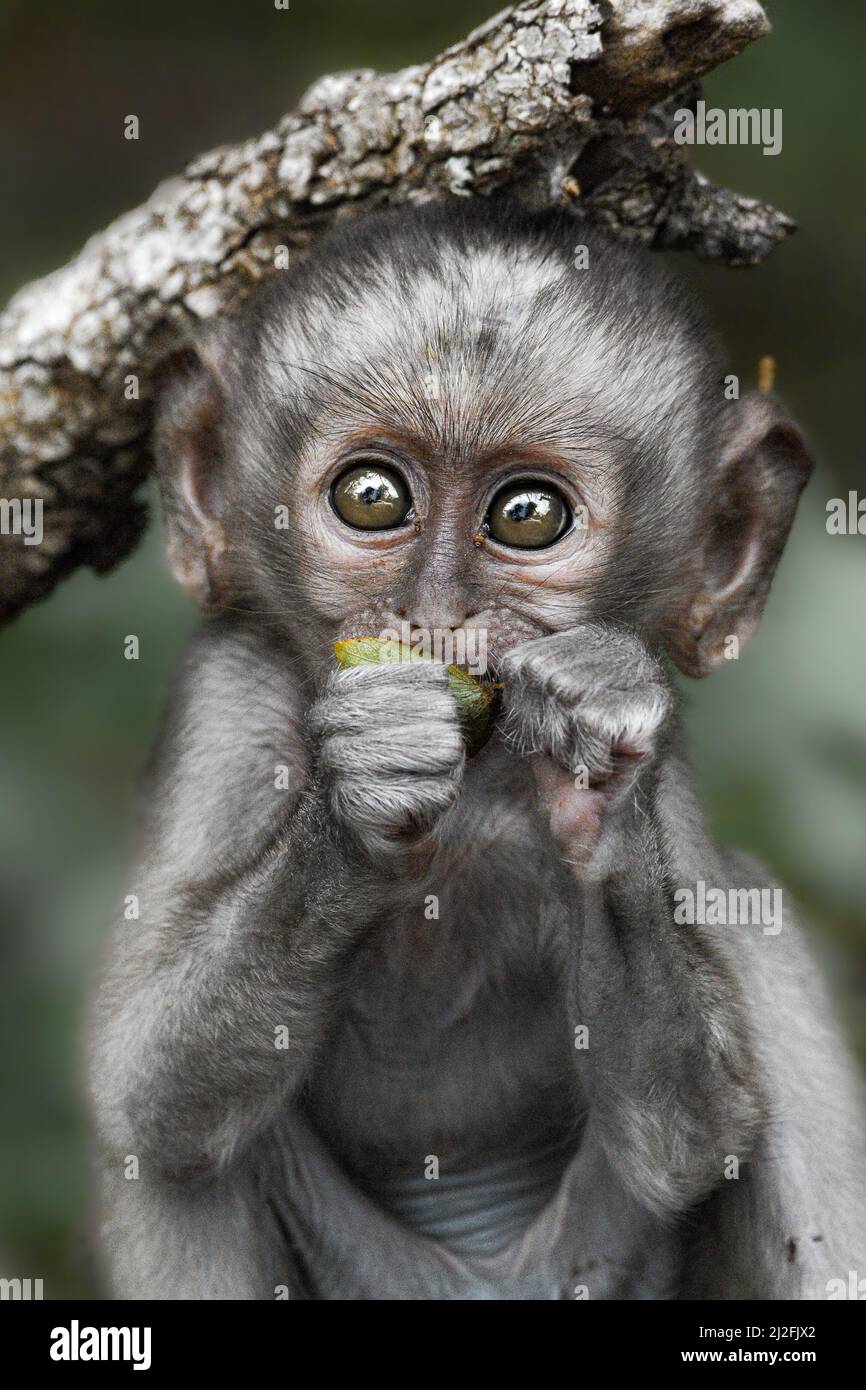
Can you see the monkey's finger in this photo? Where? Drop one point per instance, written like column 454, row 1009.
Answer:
column 394, row 805
column 382, row 695
column 427, row 745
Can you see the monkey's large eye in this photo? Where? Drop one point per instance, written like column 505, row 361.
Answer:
column 371, row 497
column 528, row 516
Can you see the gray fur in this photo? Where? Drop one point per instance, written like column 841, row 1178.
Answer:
column 461, row 344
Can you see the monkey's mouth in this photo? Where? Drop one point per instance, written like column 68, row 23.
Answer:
column 477, row 647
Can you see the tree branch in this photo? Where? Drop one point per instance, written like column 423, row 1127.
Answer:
column 565, row 102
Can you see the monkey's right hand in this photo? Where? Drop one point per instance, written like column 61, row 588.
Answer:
column 390, row 751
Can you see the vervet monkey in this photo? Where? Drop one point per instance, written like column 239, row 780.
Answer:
column 399, row 1023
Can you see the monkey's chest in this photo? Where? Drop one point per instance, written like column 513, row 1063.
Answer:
column 453, row 1062
column 450, row 1127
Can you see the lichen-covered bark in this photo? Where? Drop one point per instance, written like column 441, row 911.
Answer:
column 566, row 101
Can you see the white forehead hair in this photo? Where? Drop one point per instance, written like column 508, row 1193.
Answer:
column 477, row 339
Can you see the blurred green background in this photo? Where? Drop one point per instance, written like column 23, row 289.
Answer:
column 779, row 737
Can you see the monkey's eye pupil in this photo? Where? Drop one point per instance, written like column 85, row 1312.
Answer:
column 522, row 509
column 371, row 497
column 528, row 516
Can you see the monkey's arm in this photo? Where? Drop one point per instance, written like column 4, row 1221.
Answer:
column 790, row 1221
column 667, row 1068
column 787, row 1212
column 712, row 1069
column 251, row 899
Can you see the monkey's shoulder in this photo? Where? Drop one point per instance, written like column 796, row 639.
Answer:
column 230, row 751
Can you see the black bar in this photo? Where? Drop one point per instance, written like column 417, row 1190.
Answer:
column 252, row 1339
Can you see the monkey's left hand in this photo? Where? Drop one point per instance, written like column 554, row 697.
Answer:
column 596, row 707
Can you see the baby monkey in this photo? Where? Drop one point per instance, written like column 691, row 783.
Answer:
column 399, row 1023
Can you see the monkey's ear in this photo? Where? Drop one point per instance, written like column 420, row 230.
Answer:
column 763, row 469
column 189, row 456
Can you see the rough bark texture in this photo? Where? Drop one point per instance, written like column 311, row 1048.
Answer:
column 566, row 101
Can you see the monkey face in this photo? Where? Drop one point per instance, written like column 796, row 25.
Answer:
column 439, row 420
